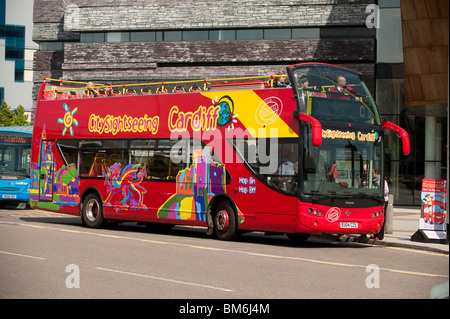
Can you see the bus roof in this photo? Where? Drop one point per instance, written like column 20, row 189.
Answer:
column 18, row 129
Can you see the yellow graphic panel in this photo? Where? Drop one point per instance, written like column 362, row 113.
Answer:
column 260, row 117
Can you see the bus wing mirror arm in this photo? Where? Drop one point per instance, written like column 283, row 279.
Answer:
column 316, row 127
column 401, row 133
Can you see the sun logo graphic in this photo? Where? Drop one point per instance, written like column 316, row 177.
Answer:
column 68, row 120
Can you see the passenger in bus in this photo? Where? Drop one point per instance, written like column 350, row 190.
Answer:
column 289, row 170
column 342, row 87
column 279, row 81
column 376, row 184
column 289, row 167
column 289, row 85
column 376, row 178
column 90, row 89
column 362, row 181
column 304, row 82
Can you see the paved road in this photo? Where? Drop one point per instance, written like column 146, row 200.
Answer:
column 43, row 254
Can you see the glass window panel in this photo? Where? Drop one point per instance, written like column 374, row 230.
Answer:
column 116, row 144
column 277, row 34
column 51, row 46
column 250, row 34
column 159, row 164
column 306, row 33
column 172, row 35
column 92, row 37
column 69, row 150
column 90, row 144
column 195, row 35
column 222, row 35
column 164, row 144
column 143, row 36
column 86, row 161
column 117, row 36
column 145, row 144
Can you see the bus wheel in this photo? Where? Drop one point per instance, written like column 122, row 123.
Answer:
column 298, row 237
column 92, row 212
column 225, row 221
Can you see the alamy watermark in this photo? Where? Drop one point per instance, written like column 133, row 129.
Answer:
column 253, row 145
column 73, row 279
column 373, row 18
column 373, row 279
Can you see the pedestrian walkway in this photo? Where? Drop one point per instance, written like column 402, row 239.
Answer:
column 405, row 224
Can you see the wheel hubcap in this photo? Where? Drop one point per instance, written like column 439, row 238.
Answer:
column 92, row 210
column 222, row 220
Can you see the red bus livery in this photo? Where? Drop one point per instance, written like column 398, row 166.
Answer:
column 235, row 155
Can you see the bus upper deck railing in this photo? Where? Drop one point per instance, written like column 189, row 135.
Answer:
column 66, row 89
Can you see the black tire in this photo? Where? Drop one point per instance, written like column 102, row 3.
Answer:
column 224, row 219
column 92, row 212
column 298, row 238
column 380, row 235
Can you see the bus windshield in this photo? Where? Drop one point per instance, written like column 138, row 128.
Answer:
column 15, row 160
column 333, row 93
column 348, row 163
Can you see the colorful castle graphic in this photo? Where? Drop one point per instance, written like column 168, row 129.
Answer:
column 196, row 185
column 50, row 185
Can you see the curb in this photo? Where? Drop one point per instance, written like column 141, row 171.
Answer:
column 371, row 241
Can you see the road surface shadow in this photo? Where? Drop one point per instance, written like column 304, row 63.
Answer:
column 256, row 237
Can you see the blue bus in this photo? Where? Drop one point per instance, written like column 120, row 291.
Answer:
column 15, row 156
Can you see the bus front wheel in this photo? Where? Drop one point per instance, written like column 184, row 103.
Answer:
column 225, row 221
column 92, row 212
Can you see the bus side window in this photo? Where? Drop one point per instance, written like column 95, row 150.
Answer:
column 159, row 166
column 96, row 168
column 69, row 151
column 86, row 160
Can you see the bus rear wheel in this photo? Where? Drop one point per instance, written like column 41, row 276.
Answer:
column 224, row 220
column 92, row 212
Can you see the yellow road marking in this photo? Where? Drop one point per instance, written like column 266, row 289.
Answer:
column 331, row 263
column 70, row 231
column 413, row 273
column 108, row 236
column 206, row 248
column 34, row 226
column 258, row 254
column 264, row 255
column 153, row 241
column 419, row 251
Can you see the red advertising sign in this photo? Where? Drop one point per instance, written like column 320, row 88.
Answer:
column 434, row 199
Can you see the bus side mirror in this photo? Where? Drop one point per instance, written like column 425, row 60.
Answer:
column 401, row 132
column 316, row 127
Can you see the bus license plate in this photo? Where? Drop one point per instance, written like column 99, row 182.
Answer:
column 9, row 196
column 349, row 225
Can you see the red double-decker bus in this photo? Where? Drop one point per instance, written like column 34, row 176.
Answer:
column 231, row 155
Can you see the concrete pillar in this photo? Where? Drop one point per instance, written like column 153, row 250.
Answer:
column 389, row 216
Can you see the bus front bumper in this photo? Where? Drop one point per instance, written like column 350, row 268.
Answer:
column 335, row 220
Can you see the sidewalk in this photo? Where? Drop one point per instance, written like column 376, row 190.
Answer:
column 405, row 224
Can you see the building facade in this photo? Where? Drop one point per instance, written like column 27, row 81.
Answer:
column 118, row 41
column 16, row 53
